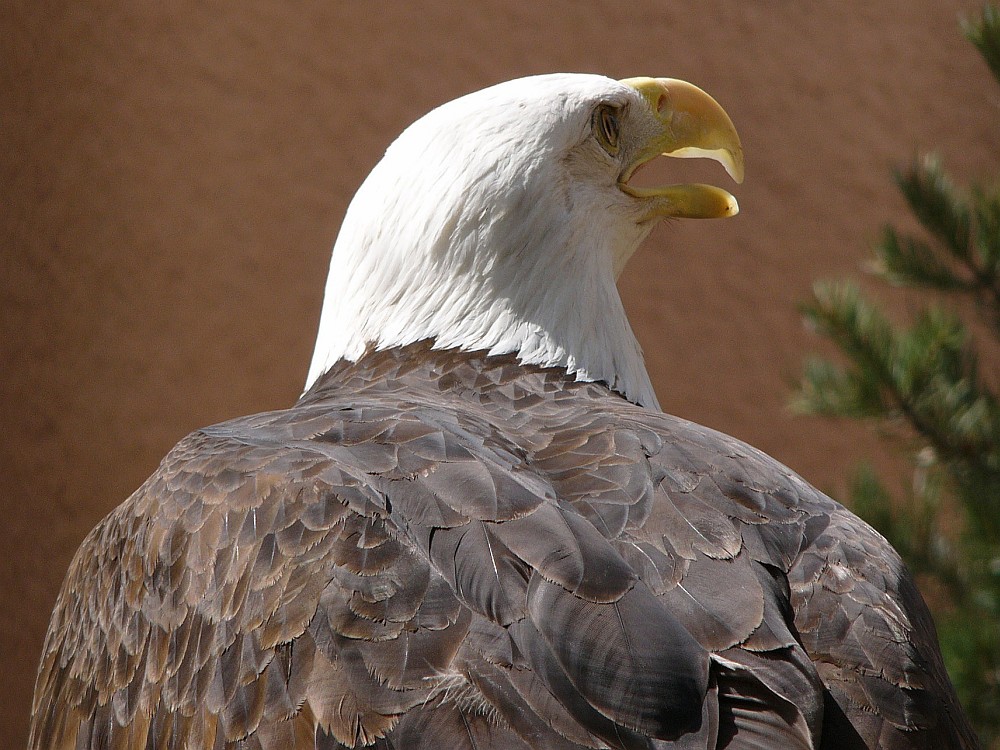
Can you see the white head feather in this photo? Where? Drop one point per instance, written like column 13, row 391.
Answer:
column 494, row 223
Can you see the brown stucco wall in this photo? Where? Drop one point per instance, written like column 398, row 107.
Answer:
column 173, row 174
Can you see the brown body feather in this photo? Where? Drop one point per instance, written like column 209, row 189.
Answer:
column 447, row 550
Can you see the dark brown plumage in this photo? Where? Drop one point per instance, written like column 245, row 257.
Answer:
column 447, row 550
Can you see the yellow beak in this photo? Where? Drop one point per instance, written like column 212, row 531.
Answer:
column 690, row 124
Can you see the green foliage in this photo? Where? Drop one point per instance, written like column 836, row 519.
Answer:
column 983, row 33
column 920, row 383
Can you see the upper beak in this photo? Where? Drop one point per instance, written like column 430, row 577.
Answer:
column 690, row 124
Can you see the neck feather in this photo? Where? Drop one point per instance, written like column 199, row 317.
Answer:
column 566, row 312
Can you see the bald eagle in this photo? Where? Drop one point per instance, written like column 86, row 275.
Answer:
column 476, row 529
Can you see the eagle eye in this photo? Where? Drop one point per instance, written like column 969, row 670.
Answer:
column 606, row 125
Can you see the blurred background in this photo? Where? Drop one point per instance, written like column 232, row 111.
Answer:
column 173, row 175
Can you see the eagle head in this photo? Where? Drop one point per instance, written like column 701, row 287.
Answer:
column 500, row 221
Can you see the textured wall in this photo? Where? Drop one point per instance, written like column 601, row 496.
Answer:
column 173, row 174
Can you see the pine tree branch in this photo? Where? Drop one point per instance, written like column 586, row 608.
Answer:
column 924, row 375
column 984, row 33
column 907, row 261
column 937, row 204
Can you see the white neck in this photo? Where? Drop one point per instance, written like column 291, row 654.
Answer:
column 408, row 267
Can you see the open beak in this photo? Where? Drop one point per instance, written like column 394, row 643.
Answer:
column 690, row 124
